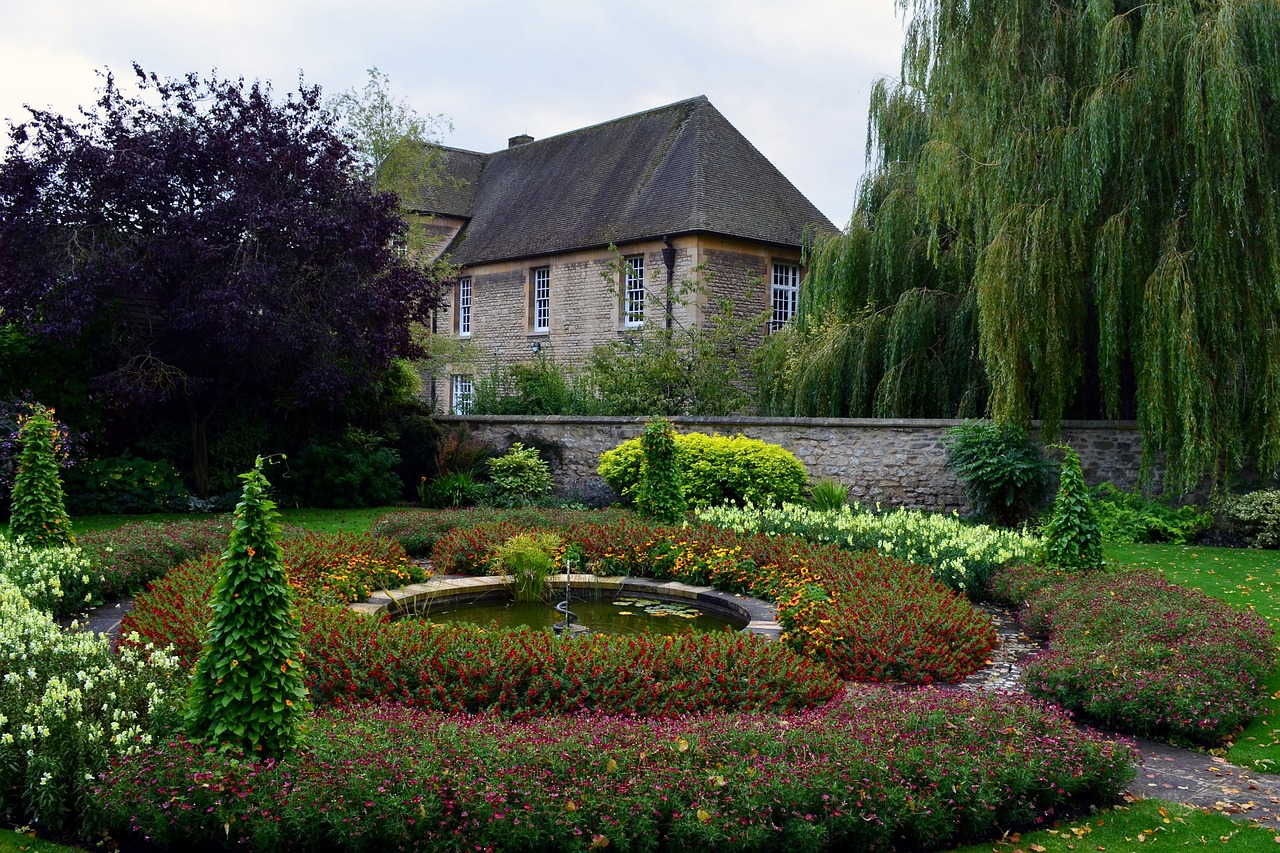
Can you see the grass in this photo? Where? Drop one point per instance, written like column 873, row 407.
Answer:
column 1146, row 824
column 1247, row 578
column 318, row 520
column 17, row 842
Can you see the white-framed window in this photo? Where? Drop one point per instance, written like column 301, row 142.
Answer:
column 784, row 295
column 633, row 292
column 464, row 392
column 541, row 313
column 464, row 307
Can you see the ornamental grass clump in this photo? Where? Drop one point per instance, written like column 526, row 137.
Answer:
column 38, row 514
column 247, row 692
column 529, row 559
column 1073, row 537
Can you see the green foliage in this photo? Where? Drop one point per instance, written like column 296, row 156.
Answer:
column 529, row 558
column 519, row 476
column 1129, row 518
column 680, row 368
column 828, row 495
column 1073, row 537
column 1005, row 474
column 125, row 484
column 247, row 691
column 450, row 491
column 351, row 471
column 541, row 386
column 1257, row 516
column 38, row 515
column 715, row 470
column 658, row 494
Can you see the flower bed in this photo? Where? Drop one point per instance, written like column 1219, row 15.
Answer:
column 351, row 657
column 68, row 704
column 1132, row 651
column 132, row 555
column 962, row 556
column 884, row 770
column 870, row 617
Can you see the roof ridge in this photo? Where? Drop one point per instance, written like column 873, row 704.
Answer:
column 696, row 99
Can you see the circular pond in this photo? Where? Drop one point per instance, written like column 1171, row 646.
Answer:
column 622, row 615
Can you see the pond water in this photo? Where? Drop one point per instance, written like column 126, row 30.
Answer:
column 624, row 615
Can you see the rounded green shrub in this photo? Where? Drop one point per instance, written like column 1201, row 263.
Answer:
column 714, row 470
column 39, row 515
column 519, row 476
column 1005, row 473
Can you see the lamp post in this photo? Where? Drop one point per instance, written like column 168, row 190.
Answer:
column 669, row 261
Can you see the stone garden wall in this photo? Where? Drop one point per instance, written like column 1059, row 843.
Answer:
column 899, row 462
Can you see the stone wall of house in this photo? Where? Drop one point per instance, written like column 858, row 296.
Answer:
column 586, row 309
column 896, row 462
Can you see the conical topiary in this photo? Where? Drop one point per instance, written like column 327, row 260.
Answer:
column 1073, row 537
column 38, row 514
column 248, row 690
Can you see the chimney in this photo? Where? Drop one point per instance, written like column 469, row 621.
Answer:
column 522, row 139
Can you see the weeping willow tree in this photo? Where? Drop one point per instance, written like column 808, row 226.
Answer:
column 1096, row 185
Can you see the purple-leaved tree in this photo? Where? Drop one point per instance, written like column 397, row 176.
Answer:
column 209, row 243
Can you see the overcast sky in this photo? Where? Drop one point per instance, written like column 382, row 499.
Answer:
column 792, row 75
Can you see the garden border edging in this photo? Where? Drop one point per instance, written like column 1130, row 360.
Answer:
column 761, row 616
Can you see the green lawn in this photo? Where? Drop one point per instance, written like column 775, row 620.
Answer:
column 1244, row 577
column 1147, row 824
column 319, row 520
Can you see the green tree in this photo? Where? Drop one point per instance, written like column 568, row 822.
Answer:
column 38, row 514
column 659, row 495
column 399, row 148
column 676, row 368
column 248, row 691
column 1099, row 209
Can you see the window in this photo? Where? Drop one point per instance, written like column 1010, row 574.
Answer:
column 784, row 294
column 464, row 307
column 633, row 292
column 542, row 299
column 464, row 393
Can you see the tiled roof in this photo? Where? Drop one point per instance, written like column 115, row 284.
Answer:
column 675, row 169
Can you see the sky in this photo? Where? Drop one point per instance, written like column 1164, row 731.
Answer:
column 794, row 76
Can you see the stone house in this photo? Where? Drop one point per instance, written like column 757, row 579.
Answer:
column 677, row 191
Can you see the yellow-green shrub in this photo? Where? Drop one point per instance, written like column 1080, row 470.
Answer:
column 715, row 469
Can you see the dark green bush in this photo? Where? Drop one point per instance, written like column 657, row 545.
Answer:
column 1129, row 518
column 353, row 471
column 715, row 470
column 1005, row 473
column 451, row 491
column 124, row 485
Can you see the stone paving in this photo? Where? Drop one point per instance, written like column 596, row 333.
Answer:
column 1167, row 773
